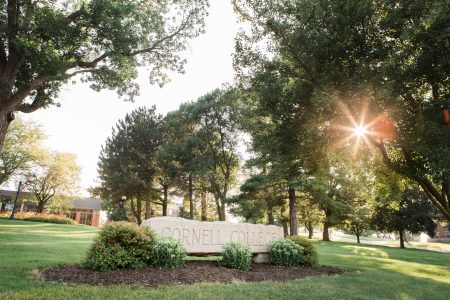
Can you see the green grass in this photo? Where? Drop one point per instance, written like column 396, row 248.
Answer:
column 430, row 246
column 374, row 272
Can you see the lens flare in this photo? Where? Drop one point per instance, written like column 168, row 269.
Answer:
column 362, row 128
column 360, row 131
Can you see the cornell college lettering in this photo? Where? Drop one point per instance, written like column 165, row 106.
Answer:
column 209, row 237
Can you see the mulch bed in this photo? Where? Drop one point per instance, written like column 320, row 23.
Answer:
column 194, row 272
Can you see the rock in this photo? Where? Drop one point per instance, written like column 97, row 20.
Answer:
column 209, row 237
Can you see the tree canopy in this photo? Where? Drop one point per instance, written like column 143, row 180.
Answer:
column 21, row 147
column 379, row 64
column 128, row 160
column 45, row 43
column 55, row 174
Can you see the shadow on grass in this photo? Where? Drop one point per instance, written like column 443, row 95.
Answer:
column 375, row 251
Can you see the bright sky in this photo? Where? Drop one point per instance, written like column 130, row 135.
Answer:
column 85, row 118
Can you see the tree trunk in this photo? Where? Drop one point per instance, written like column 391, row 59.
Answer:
column 191, row 198
column 204, row 207
column 139, row 210
column 357, row 237
column 5, row 120
column 292, row 211
column 270, row 215
column 326, row 235
column 165, row 199
column 40, row 208
column 133, row 208
column 402, row 239
column 284, row 221
column 310, row 230
column 148, row 209
column 222, row 211
column 136, row 210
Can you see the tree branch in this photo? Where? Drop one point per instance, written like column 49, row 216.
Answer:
column 433, row 194
column 153, row 47
column 36, row 104
column 93, row 70
column 90, row 64
column 162, row 40
column 74, row 16
column 25, row 90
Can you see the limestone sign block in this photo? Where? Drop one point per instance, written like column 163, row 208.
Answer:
column 209, row 237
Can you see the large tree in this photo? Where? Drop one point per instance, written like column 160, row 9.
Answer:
column 414, row 214
column 284, row 124
column 215, row 115
column 43, row 44
column 181, row 154
column 328, row 193
column 128, row 161
column 56, row 174
column 393, row 54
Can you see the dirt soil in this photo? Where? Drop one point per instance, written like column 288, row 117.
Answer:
column 194, row 272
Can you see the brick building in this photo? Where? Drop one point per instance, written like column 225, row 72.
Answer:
column 82, row 210
column 87, row 211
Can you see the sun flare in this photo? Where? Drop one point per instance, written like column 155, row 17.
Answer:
column 360, row 131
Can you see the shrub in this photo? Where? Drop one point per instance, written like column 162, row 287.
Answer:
column 120, row 245
column 236, row 256
column 38, row 217
column 286, row 252
column 309, row 251
column 168, row 253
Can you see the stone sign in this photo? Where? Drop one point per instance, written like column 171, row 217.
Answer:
column 209, row 237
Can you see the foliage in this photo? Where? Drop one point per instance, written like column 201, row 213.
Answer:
column 236, row 256
column 20, row 148
column 56, row 173
column 321, row 62
column 359, row 221
column 414, row 213
column 59, row 204
column 167, row 253
column 286, row 252
column 127, row 163
column 309, row 213
column 260, row 195
column 102, row 42
column 309, row 250
column 216, row 115
column 330, row 194
column 120, row 245
column 38, row 217
column 204, row 146
column 118, row 214
column 362, row 188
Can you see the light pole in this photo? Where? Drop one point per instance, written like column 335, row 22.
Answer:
column 122, row 214
column 122, row 201
column 19, row 189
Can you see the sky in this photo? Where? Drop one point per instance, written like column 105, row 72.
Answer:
column 85, row 118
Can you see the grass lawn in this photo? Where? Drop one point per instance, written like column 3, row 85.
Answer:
column 374, row 272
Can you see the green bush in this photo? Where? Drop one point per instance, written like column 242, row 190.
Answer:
column 236, row 256
column 38, row 217
column 286, row 252
column 309, row 251
column 168, row 253
column 120, row 245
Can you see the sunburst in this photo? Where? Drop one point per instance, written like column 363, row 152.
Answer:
column 360, row 130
